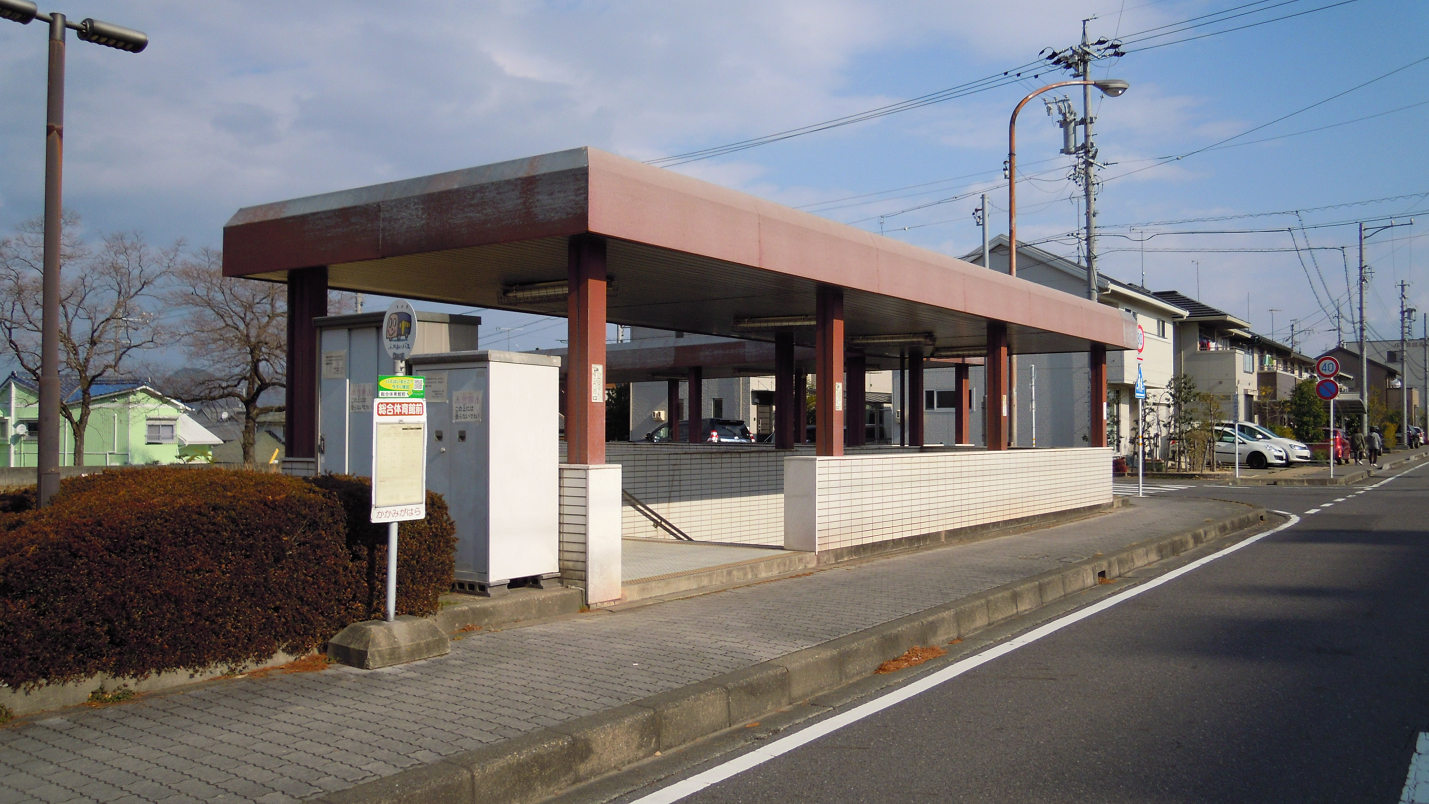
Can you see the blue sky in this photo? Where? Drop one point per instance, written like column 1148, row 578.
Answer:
column 237, row 103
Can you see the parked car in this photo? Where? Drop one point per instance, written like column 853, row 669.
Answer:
column 1297, row 451
column 1341, row 443
column 1415, row 436
column 717, row 431
column 1254, row 454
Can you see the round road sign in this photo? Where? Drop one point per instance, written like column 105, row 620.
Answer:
column 1327, row 389
column 1140, row 339
column 1327, row 367
column 399, row 330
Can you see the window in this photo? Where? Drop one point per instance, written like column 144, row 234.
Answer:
column 940, row 400
column 160, row 431
column 1392, row 356
column 1160, row 328
column 32, row 429
column 1247, row 362
column 717, row 408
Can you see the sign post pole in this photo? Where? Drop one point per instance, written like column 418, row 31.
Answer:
column 1328, row 367
column 1139, row 391
column 399, row 443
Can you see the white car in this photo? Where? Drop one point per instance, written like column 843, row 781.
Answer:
column 1296, row 451
column 1253, row 454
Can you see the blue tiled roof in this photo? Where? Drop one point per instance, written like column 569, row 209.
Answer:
column 70, row 386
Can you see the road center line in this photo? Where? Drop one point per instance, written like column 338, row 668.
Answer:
column 784, row 745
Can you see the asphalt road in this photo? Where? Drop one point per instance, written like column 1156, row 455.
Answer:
column 1293, row 670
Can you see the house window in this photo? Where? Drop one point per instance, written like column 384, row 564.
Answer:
column 1247, row 362
column 1392, row 356
column 940, row 400
column 717, row 407
column 160, row 431
column 1160, row 328
column 32, row 429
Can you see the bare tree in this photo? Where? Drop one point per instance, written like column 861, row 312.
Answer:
column 236, row 337
column 107, row 317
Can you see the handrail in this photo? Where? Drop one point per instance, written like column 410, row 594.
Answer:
column 654, row 516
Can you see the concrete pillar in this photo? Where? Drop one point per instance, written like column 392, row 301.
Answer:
column 695, row 412
column 672, row 408
column 995, row 368
column 856, row 422
column 585, row 373
column 917, row 402
column 1097, row 360
column 785, row 415
column 307, row 299
column 829, row 368
column 962, row 432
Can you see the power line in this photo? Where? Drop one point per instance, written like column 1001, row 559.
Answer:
column 1218, row 218
column 1242, row 27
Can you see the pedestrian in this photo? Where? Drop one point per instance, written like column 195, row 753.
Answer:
column 1358, row 446
column 1376, row 446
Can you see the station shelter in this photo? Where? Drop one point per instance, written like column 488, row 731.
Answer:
column 602, row 239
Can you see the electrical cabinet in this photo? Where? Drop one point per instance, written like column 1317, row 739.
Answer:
column 493, row 452
column 350, row 357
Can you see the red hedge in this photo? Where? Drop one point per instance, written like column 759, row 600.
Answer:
column 144, row 570
column 426, row 549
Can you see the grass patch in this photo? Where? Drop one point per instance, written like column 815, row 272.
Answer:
column 104, row 697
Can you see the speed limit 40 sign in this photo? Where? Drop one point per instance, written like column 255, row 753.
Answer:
column 1327, row 367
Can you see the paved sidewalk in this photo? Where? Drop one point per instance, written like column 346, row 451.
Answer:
column 288, row 737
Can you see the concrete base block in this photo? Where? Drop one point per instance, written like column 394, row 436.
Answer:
column 378, row 643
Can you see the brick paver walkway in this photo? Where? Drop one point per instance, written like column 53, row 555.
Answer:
column 287, row 737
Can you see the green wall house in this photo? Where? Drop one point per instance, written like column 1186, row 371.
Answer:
column 130, row 424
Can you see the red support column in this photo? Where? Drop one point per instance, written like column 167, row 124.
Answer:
column 307, row 299
column 856, row 429
column 585, row 374
column 829, row 369
column 697, row 406
column 917, row 403
column 1097, row 358
column 785, row 410
column 801, row 404
column 962, row 419
column 672, row 408
column 996, row 370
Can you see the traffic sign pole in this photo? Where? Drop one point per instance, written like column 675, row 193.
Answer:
column 1332, row 439
column 399, row 337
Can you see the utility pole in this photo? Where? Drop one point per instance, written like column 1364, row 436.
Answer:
column 1292, row 335
column 1406, row 319
column 1339, row 334
column 1273, row 311
column 1425, row 398
column 1078, row 60
column 980, row 216
column 1365, row 274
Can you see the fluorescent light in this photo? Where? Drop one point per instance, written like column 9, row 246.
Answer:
column 904, row 339
column 774, row 322
column 542, row 292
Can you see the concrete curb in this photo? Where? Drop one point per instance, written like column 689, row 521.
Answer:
column 545, row 762
column 519, row 605
column 1354, row 476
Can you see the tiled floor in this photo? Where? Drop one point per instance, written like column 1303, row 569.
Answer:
column 647, row 558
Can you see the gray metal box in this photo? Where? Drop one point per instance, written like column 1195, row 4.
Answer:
column 493, row 451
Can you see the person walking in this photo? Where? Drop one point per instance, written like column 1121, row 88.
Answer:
column 1376, row 446
column 1358, row 446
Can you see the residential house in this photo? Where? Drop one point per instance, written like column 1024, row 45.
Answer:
column 1383, row 381
column 225, row 420
column 130, row 423
column 1053, row 391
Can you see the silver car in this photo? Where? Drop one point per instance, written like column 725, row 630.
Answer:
column 1254, row 454
column 1296, row 451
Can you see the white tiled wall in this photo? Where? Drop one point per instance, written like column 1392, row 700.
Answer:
column 573, row 524
column 713, row 493
column 863, row 499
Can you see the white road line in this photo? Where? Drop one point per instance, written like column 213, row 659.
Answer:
column 1416, row 785
column 1312, row 511
column 1341, row 499
column 784, row 745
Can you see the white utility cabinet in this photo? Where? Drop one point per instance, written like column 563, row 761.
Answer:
column 493, row 452
column 350, row 358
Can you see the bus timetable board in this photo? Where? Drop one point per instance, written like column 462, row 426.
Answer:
column 399, row 450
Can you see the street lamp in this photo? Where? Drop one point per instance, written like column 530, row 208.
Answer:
column 100, row 33
column 1111, row 87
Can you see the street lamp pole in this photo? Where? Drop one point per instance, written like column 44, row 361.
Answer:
column 102, row 33
column 1110, row 86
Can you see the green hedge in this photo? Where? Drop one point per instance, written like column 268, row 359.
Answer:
column 139, row 571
